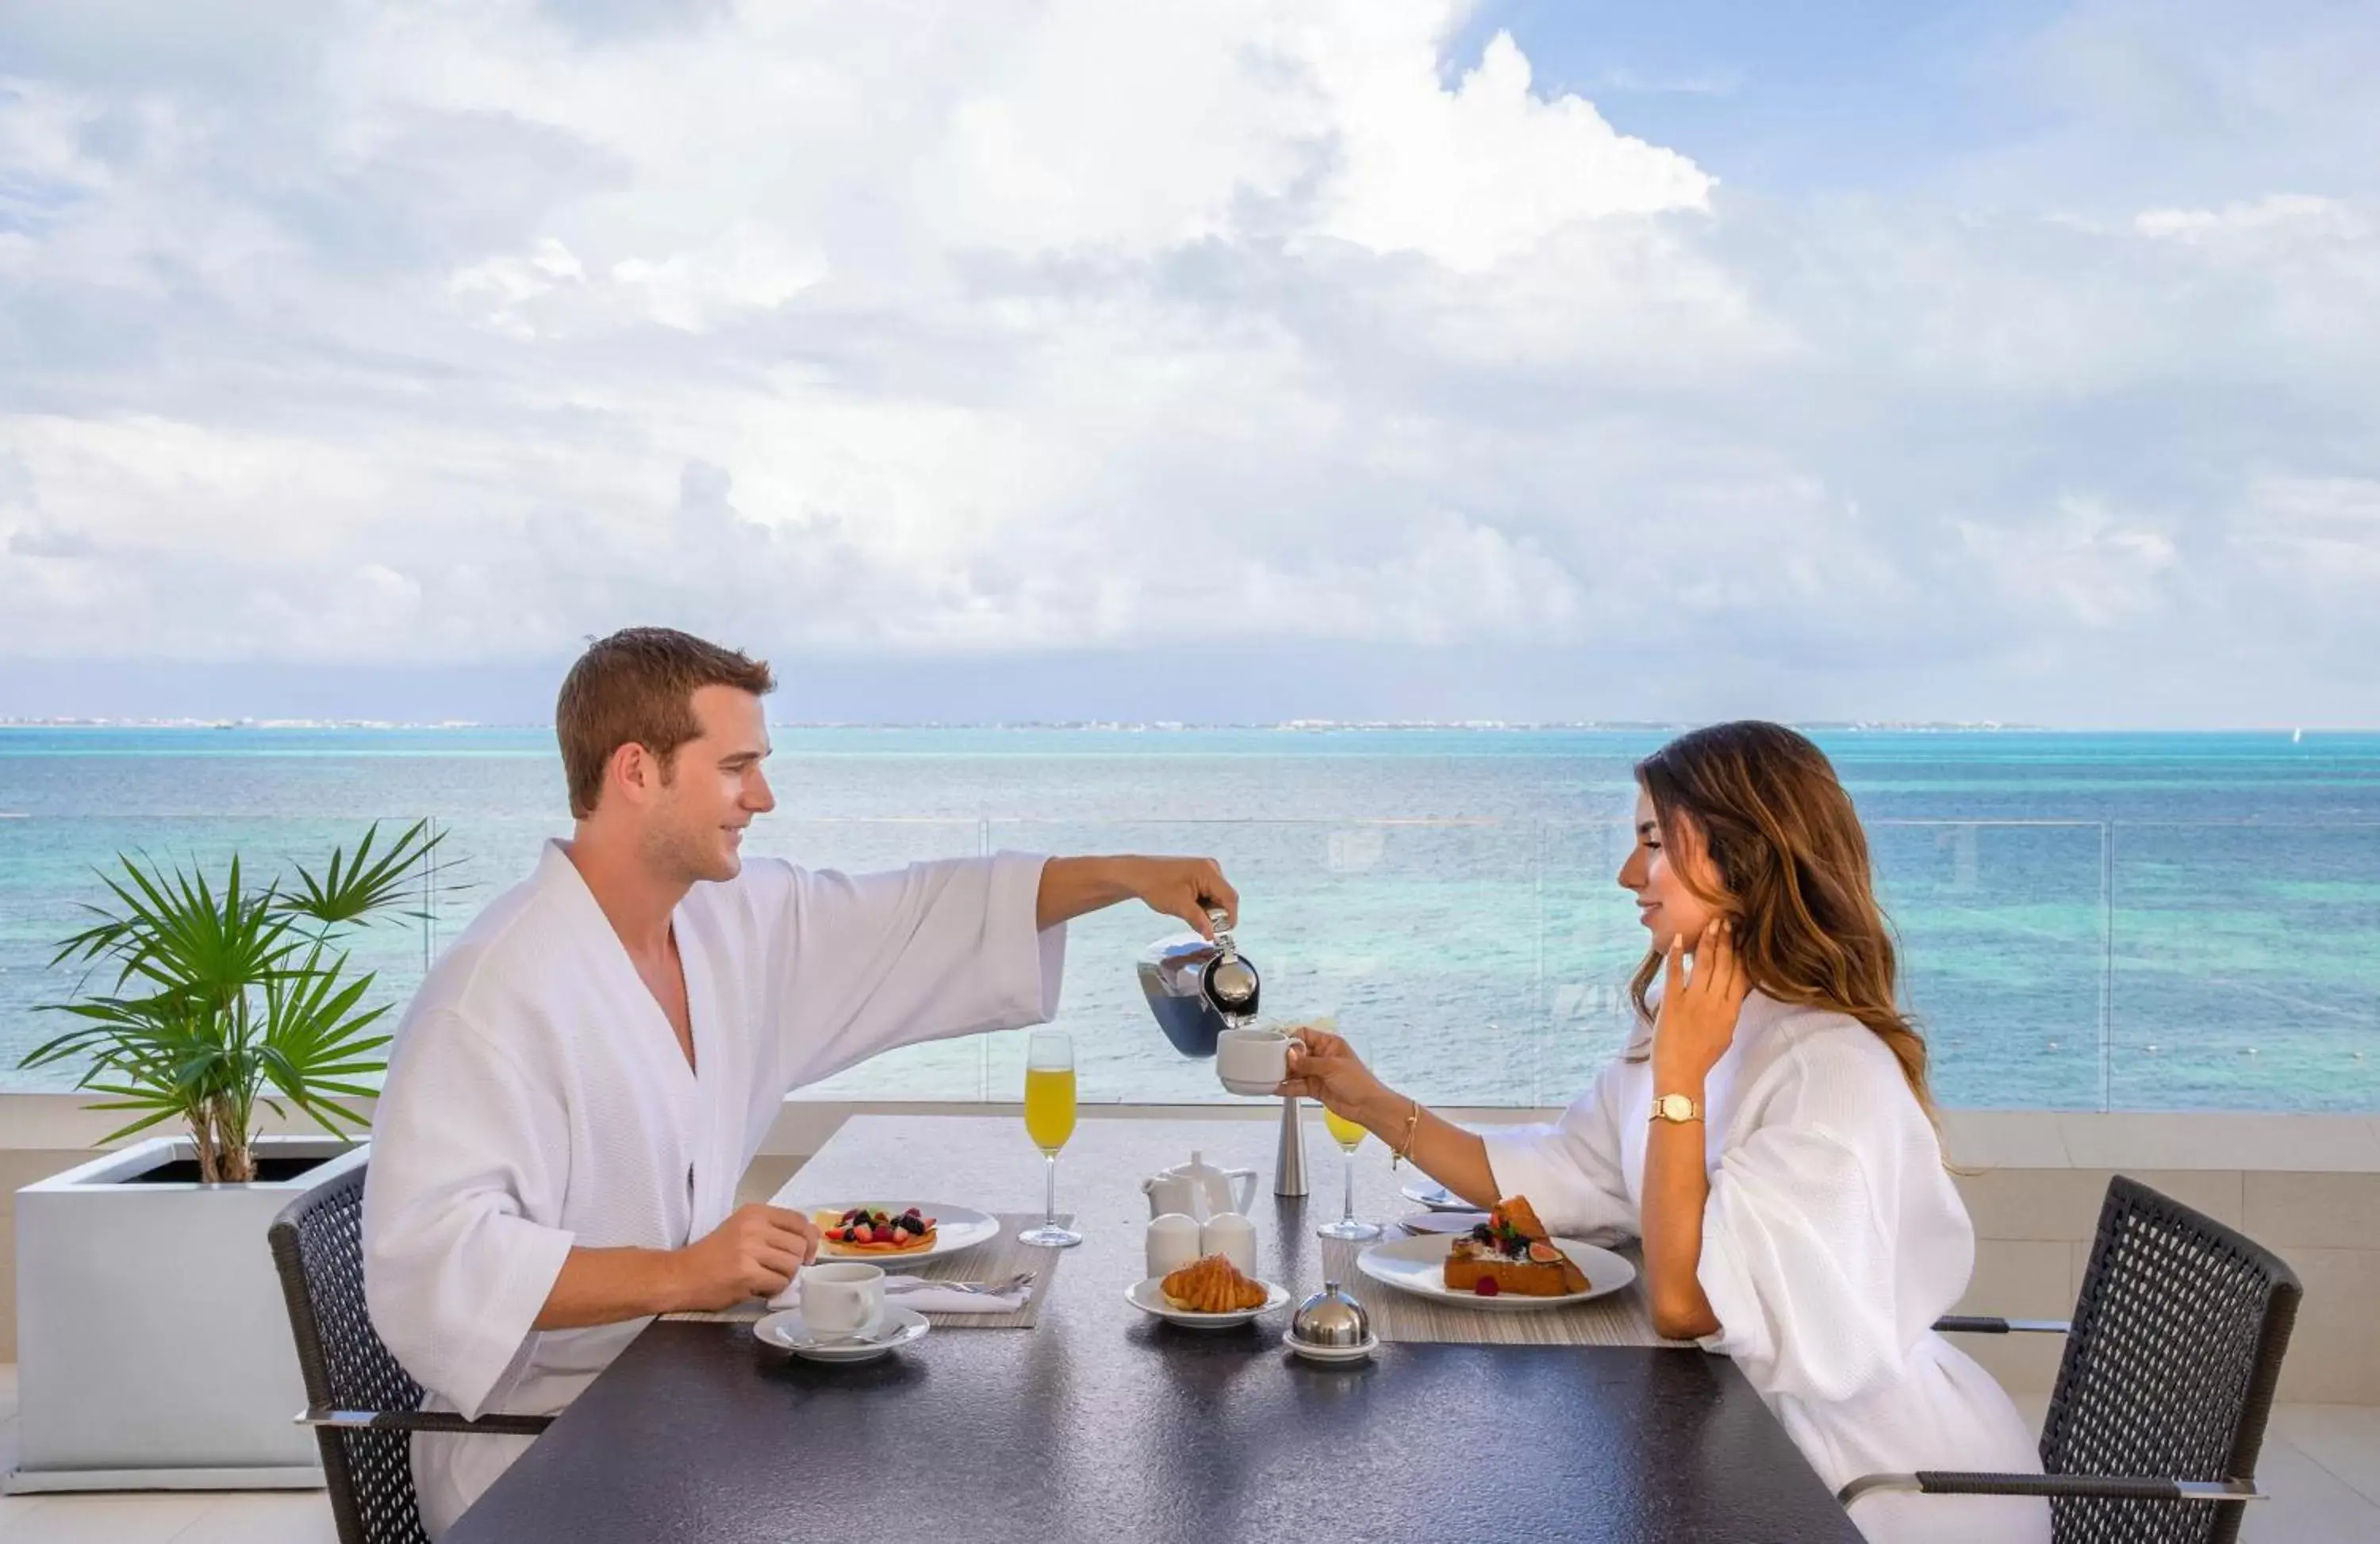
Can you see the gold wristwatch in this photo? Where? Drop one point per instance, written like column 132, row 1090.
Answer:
column 1677, row 1108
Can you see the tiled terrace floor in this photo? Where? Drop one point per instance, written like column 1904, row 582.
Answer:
column 2321, row 1466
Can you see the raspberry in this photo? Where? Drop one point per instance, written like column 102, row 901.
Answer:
column 1485, row 1287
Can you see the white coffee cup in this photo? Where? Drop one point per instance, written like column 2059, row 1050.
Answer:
column 1251, row 1060
column 1172, row 1242
column 843, row 1298
column 1233, row 1236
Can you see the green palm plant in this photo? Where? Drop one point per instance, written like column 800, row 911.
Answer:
column 223, row 991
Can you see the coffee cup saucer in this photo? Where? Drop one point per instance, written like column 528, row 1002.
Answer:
column 785, row 1331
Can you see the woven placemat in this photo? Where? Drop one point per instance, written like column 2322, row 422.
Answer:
column 993, row 1261
column 1620, row 1319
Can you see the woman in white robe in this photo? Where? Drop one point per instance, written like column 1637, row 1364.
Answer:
column 1789, row 1187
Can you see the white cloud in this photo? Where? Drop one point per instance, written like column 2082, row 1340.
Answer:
column 2278, row 212
column 1485, row 172
column 2082, row 560
column 461, row 333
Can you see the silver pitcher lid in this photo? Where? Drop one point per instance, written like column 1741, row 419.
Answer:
column 1214, row 970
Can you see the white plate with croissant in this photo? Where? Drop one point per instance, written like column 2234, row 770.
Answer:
column 1194, row 1296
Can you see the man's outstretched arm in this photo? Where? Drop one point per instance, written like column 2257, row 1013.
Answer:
column 1183, row 887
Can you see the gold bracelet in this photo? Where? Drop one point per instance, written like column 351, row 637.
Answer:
column 1413, row 1123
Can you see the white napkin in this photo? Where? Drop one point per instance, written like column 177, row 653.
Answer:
column 925, row 1297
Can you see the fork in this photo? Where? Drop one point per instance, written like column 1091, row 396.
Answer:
column 985, row 1289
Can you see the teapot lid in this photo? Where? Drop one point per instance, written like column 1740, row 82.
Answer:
column 1197, row 1166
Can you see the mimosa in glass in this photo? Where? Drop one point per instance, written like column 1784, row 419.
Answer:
column 1349, row 1135
column 1050, row 1120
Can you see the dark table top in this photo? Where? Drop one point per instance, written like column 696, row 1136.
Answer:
column 1104, row 1425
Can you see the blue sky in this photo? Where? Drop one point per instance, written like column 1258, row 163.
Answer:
column 1386, row 357
column 1790, row 98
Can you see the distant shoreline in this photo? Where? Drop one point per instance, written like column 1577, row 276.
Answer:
column 1097, row 727
column 1304, row 727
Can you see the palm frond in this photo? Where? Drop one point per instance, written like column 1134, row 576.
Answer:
column 353, row 889
column 172, row 930
column 137, row 1126
column 223, row 988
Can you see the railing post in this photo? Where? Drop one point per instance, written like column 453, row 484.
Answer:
column 429, row 902
column 2108, row 963
column 1540, row 1016
column 983, row 1042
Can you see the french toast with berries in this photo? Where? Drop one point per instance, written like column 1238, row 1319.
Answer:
column 1512, row 1252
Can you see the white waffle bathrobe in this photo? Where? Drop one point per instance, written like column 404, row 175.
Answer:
column 537, row 1099
column 1832, row 1241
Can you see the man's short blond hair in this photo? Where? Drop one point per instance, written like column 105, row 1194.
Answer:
column 637, row 687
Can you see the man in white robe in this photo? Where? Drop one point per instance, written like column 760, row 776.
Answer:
column 581, row 1081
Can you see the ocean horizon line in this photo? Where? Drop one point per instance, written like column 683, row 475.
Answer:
column 1303, row 725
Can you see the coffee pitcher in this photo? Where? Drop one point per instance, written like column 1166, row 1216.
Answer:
column 1197, row 987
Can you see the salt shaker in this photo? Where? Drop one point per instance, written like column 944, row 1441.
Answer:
column 1233, row 1236
column 1172, row 1242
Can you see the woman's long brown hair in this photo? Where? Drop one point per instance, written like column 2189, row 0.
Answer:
column 1765, row 805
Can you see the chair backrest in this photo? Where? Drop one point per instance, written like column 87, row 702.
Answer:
column 2169, row 1369
column 317, row 1248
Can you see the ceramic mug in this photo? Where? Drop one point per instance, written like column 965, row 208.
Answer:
column 1172, row 1242
column 1233, row 1236
column 843, row 1298
column 1251, row 1060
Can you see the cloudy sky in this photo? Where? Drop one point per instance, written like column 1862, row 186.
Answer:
column 1384, row 358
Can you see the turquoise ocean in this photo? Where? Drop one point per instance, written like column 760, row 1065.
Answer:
column 2089, row 921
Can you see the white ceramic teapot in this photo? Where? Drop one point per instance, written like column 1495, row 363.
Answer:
column 1199, row 1190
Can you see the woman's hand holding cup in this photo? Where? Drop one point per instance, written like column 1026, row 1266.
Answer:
column 1322, row 1067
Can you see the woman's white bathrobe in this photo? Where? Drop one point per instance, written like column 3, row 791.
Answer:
column 537, row 1099
column 1832, row 1241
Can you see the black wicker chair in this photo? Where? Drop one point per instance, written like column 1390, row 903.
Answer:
column 2161, row 1401
column 361, row 1403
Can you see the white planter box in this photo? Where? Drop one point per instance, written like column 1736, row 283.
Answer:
column 153, row 1348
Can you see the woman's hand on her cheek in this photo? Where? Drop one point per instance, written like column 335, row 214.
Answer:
column 1698, row 1012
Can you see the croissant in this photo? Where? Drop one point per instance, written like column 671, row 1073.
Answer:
column 1212, row 1285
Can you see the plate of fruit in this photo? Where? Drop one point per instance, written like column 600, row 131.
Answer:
column 1508, row 1263
column 897, row 1235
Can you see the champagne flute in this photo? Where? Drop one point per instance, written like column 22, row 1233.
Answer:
column 1349, row 1135
column 1050, row 1119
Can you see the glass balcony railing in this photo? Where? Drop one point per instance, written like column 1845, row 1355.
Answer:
column 2053, row 965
